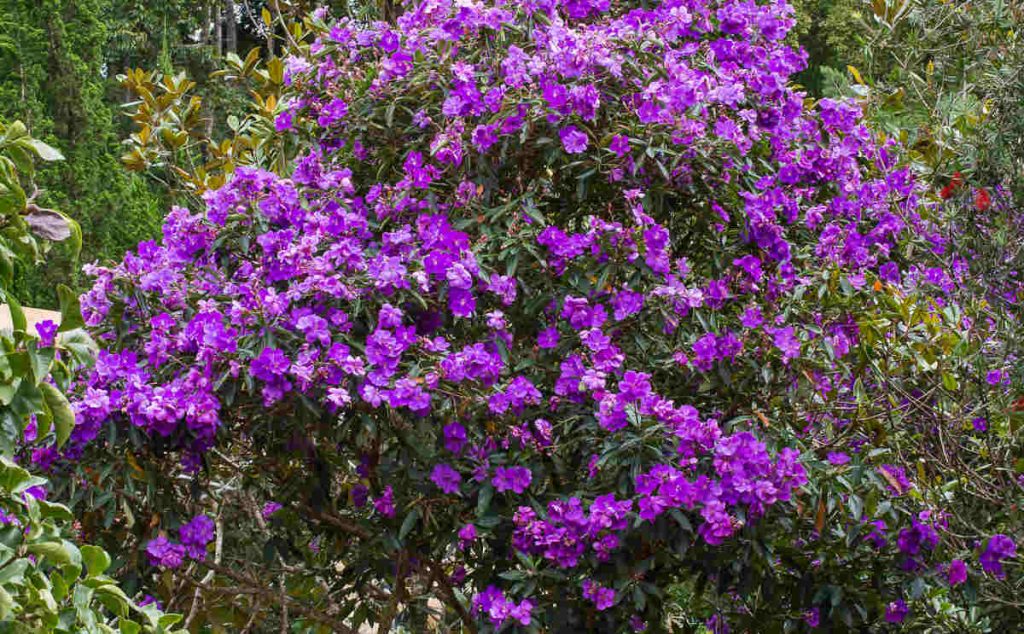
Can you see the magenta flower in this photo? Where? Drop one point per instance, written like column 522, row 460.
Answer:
column 446, row 478
column 573, row 139
column 998, row 548
column 162, row 553
column 896, row 611
column 515, row 479
column 454, row 437
column 619, row 145
column 385, row 504
column 957, row 572
column 47, row 331
column 602, row 597
column 467, row 535
column 838, row 458
column 813, row 617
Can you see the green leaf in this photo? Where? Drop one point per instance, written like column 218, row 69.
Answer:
column 79, row 344
column 6, row 604
column 11, row 475
column 128, row 627
column 56, row 552
column 53, row 510
column 40, row 359
column 70, row 310
column 114, row 598
column 96, row 560
column 408, row 523
column 18, row 320
column 60, row 408
column 44, row 151
column 168, row 620
column 483, row 501
column 14, row 572
column 12, row 199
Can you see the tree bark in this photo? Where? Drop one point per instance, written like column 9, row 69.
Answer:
column 208, row 25
column 218, row 32
column 231, row 27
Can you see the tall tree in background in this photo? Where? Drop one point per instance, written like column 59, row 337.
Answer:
column 53, row 75
column 58, row 63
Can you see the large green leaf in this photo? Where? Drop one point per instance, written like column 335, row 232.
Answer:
column 97, row 561
column 42, row 150
column 70, row 309
column 56, row 552
column 11, row 475
column 18, row 321
column 60, row 409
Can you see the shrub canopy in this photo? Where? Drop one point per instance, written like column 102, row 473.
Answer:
column 562, row 310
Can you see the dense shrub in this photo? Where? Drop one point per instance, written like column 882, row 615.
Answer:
column 561, row 308
column 42, row 587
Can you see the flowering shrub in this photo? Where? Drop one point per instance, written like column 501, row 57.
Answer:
column 561, row 307
column 47, row 582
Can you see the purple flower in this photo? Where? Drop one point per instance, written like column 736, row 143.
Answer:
column 619, row 145
column 270, row 364
column 150, row 600
column 896, row 611
column 751, row 317
column 270, row 508
column 195, row 535
column 284, row 121
column 446, row 478
column 548, row 338
column 573, row 140
column 515, row 479
column 998, row 548
column 603, row 598
column 47, row 333
column 461, row 302
column 385, row 504
column 787, row 343
column 162, row 553
column 498, row 608
column 454, row 437
column 911, row 540
column 957, row 572
column 994, row 377
column 626, row 303
column 838, row 458
column 38, row 492
column 360, row 495
column 467, row 535
column 813, row 617
column 332, row 113
column 752, row 265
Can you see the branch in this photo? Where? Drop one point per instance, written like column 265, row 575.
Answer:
column 341, row 523
column 449, row 596
column 257, row 588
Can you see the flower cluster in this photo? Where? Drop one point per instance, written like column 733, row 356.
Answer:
column 499, row 609
column 998, row 548
column 193, row 536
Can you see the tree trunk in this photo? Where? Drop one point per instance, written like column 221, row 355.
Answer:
column 218, row 25
column 231, row 27
column 208, row 26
